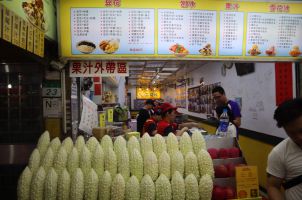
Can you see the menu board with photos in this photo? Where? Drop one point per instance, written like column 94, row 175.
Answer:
column 191, row 29
column 112, row 31
column 273, row 34
column 208, row 29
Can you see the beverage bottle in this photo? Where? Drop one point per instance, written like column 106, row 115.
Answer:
column 223, row 123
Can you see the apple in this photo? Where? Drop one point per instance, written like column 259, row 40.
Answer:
column 218, row 193
column 233, row 152
column 229, row 192
column 213, row 153
column 231, row 169
column 221, row 171
column 223, row 153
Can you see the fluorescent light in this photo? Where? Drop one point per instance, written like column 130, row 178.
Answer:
column 163, row 73
column 136, row 63
column 170, row 69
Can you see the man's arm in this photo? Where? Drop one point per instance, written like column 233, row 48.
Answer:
column 237, row 121
column 274, row 189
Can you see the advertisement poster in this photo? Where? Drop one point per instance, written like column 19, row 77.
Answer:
column 181, row 96
column 201, row 99
column 89, row 117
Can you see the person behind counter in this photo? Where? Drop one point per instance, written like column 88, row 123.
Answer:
column 223, row 103
column 167, row 125
column 150, row 125
column 144, row 114
column 284, row 165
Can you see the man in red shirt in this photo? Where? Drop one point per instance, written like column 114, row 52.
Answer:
column 150, row 125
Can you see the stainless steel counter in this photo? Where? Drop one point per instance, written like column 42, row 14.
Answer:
column 15, row 154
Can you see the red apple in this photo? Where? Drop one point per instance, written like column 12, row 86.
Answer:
column 234, row 152
column 230, row 192
column 221, row 171
column 231, row 169
column 223, row 153
column 218, row 193
column 213, row 153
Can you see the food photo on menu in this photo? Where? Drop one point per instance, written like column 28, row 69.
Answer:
column 109, row 46
column 295, row 51
column 254, row 50
column 85, row 46
column 179, row 50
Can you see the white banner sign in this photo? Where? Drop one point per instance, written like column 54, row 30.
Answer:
column 98, row 68
column 89, row 117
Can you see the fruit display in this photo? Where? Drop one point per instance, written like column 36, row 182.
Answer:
column 118, row 170
column 271, row 51
column 179, row 50
column 223, row 153
column 295, row 51
column 109, row 46
column 254, row 51
column 206, row 50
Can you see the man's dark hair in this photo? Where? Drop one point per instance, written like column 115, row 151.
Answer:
column 288, row 111
column 218, row 89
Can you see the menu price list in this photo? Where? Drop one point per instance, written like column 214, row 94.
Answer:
column 192, row 29
column 231, row 33
column 112, row 31
column 274, row 35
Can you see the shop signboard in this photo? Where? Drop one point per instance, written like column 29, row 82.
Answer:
column 30, row 38
column 39, row 13
column 247, row 182
column 1, row 16
column 7, row 25
column 16, row 30
column 205, row 30
column 23, row 34
column 147, row 93
column 98, row 68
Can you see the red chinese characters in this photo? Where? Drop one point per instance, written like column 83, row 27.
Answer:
column 187, row 4
column 232, row 6
column 110, row 67
column 279, row 8
column 121, row 68
column 114, row 3
column 76, row 68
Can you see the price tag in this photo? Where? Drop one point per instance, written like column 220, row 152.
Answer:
column 102, row 120
column 110, row 114
column 247, row 182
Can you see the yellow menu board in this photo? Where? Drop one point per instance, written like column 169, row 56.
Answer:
column 186, row 29
column 147, row 93
column 247, row 182
column 30, row 38
column 36, row 41
column 1, row 11
column 7, row 25
column 16, row 30
column 23, row 34
column 41, row 45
